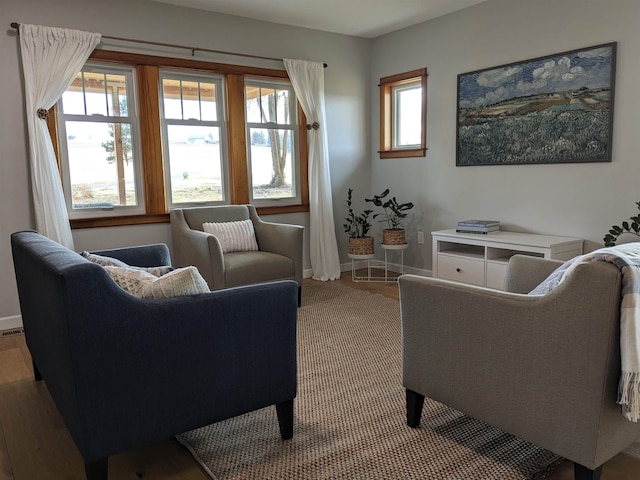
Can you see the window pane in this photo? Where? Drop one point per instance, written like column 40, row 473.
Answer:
column 208, row 101
column 195, row 166
column 96, row 94
column 408, row 109
column 268, row 105
column 100, row 164
column 272, row 173
column 172, row 98
column 189, row 100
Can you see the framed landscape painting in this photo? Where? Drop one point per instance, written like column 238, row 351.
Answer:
column 553, row 109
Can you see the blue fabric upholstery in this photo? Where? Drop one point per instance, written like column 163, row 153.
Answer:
column 125, row 372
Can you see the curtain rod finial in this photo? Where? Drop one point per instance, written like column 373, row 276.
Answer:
column 15, row 24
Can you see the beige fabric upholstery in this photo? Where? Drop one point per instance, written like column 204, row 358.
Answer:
column 544, row 368
column 279, row 256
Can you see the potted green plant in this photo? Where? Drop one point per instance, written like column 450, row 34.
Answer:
column 393, row 214
column 632, row 226
column 357, row 226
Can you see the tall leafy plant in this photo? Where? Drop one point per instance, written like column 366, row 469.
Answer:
column 356, row 224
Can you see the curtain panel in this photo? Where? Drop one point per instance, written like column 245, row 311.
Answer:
column 307, row 79
column 51, row 58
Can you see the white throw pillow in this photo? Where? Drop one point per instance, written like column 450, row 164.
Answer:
column 233, row 236
column 114, row 262
column 178, row 282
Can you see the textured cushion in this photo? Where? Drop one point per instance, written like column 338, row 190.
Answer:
column 142, row 284
column 233, row 236
column 114, row 262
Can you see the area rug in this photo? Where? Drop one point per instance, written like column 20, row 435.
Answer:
column 350, row 418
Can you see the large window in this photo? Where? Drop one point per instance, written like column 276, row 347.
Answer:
column 137, row 135
column 403, row 114
column 193, row 134
column 272, row 136
column 99, row 135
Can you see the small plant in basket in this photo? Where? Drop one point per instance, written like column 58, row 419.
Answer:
column 357, row 226
column 394, row 214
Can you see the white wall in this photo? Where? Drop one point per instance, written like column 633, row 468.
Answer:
column 581, row 200
column 346, row 89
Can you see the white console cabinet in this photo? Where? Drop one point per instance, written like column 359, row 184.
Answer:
column 481, row 259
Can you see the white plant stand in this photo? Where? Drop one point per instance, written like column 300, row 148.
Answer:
column 380, row 264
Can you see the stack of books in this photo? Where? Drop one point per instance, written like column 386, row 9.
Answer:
column 478, row 226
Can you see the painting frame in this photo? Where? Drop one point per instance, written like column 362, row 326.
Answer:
column 552, row 109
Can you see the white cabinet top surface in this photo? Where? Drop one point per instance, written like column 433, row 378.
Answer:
column 512, row 238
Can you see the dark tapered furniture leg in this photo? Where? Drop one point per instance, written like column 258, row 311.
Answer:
column 583, row 473
column 97, row 469
column 299, row 295
column 415, row 401
column 36, row 372
column 285, row 419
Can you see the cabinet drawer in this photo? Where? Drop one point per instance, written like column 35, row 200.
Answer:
column 461, row 269
column 495, row 274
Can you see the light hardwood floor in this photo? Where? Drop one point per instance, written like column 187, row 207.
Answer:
column 35, row 445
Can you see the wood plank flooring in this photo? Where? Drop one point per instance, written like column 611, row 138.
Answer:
column 35, row 445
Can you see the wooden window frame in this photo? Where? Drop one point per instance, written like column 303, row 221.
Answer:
column 386, row 114
column 148, row 77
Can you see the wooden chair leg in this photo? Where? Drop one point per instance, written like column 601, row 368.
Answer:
column 415, row 401
column 285, row 419
column 97, row 469
column 583, row 473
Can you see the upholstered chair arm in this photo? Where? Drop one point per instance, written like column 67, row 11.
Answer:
column 194, row 247
column 280, row 238
column 524, row 272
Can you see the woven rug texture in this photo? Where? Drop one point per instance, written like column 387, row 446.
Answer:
column 350, row 420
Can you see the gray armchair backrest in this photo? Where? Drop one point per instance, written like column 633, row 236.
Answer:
column 196, row 216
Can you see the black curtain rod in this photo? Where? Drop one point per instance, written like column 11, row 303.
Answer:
column 193, row 49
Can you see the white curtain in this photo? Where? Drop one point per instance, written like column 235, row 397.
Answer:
column 51, row 58
column 307, row 79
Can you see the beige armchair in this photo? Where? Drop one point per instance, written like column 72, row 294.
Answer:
column 279, row 255
column 543, row 368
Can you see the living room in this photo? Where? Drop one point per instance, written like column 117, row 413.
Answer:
column 576, row 200
column 580, row 200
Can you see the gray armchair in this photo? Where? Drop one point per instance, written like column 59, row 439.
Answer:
column 543, row 368
column 279, row 255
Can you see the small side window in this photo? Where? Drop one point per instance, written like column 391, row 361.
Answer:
column 403, row 114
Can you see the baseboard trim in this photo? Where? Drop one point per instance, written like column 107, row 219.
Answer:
column 393, row 267
column 9, row 323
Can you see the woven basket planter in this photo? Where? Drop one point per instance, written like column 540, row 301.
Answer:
column 361, row 246
column 393, row 237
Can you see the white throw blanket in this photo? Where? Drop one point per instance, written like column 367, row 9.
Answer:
column 627, row 258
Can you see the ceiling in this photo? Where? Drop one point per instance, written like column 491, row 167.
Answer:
column 361, row 18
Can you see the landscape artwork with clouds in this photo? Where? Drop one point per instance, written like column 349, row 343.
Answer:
column 553, row 109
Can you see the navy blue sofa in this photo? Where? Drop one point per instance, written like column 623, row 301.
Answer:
column 126, row 372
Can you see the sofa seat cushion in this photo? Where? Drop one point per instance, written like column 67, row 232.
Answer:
column 256, row 267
